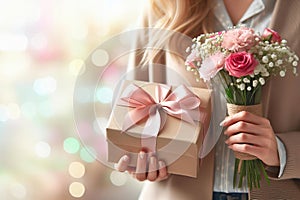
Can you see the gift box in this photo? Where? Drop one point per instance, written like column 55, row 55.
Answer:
column 168, row 120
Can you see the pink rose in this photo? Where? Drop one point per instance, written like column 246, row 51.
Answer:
column 192, row 58
column 211, row 66
column 271, row 35
column 240, row 64
column 240, row 39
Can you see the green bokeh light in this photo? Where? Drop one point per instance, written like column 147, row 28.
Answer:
column 71, row 145
column 88, row 154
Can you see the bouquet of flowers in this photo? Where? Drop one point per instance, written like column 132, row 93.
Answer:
column 242, row 60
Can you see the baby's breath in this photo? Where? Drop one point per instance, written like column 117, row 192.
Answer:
column 271, row 58
column 274, row 58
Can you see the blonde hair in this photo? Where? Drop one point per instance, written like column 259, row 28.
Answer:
column 189, row 17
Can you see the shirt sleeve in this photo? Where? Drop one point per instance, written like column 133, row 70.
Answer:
column 282, row 156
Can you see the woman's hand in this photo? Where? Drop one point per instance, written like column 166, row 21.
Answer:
column 147, row 167
column 252, row 134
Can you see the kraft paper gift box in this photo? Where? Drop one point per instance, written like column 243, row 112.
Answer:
column 177, row 143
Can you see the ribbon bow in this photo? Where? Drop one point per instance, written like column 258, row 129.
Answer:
column 180, row 103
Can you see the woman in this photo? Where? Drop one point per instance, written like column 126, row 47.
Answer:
column 274, row 139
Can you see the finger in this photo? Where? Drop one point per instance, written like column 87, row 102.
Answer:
column 242, row 126
column 152, row 172
column 244, row 138
column 242, row 116
column 247, row 148
column 141, row 167
column 122, row 165
column 162, row 172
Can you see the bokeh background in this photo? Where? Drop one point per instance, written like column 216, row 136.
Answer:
column 43, row 46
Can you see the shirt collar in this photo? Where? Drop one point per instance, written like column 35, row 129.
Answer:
column 222, row 15
column 255, row 7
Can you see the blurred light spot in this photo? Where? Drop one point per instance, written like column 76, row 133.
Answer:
column 76, row 169
column 100, row 125
column 14, row 65
column 28, row 109
column 42, row 149
column 13, row 111
column 104, row 94
column 118, row 178
column 77, row 67
column 13, row 42
column 18, row 191
column 44, row 86
column 39, row 41
column 87, row 154
column 100, row 57
column 77, row 189
column 45, row 108
column 83, row 95
column 3, row 113
column 71, row 145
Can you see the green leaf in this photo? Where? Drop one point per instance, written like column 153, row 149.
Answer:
column 236, row 165
column 264, row 172
column 242, row 173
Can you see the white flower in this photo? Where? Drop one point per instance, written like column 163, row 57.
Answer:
column 271, row 64
column 246, row 80
column 294, row 70
column 238, row 80
column 242, row 86
column 273, row 56
column 260, row 53
column 266, row 73
column 249, row 88
column 290, row 59
column 279, row 62
column 254, row 83
column 282, row 73
column 262, row 81
column 258, row 69
column 295, row 63
column 265, row 59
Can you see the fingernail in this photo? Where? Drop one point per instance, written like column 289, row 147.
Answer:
column 125, row 158
column 226, row 142
column 223, row 122
column 161, row 164
column 116, row 166
column 142, row 155
column 152, row 160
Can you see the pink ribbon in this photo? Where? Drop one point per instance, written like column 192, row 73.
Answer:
column 180, row 103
